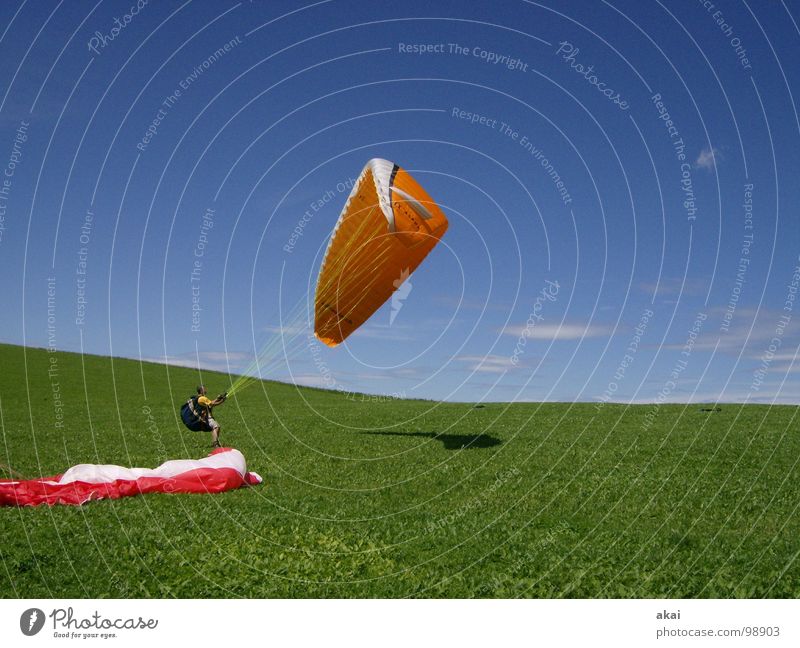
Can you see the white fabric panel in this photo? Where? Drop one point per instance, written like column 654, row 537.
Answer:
column 382, row 175
column 99, row 474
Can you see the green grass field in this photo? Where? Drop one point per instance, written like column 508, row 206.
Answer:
column 397, row 498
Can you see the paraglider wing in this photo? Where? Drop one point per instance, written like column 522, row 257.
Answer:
column 224, row 469
column 386, row 229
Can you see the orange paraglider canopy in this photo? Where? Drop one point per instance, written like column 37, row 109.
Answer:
column 387, row 227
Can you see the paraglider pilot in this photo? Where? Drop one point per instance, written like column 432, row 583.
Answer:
column 197, row 414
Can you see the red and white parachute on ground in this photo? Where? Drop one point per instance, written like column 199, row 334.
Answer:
column 224, row 469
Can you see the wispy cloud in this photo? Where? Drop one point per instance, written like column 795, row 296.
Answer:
column 676, row 286
column 394, row 333
column 488, row 363
column 749, row 334
column 769, row 393
column 473, row 304
column 559, row 331
column 228, row 356
column 782, row 369
column 312, row 380
column 789, row 356
column 290, row 330
column 209, row 360
column 172, row 360
column 707, row 159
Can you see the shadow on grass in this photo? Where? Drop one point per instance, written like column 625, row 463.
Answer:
column 450, row 441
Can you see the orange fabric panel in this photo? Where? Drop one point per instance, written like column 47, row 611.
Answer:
column 367, row 259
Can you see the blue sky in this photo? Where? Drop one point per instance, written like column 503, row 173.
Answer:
column 596, row 250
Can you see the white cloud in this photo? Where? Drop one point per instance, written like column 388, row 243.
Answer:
column 767, row 394
column 314, row 380
column 749, row 334
column 393, row 333
column 779, row 357
column 172, row 360
column 707, row 159
column 558, row 331
column 288, row 331
column 784, row 369
column 474, row 304
column 230, row 356
column 208, row 360
column 488, row 363
column 676, row 286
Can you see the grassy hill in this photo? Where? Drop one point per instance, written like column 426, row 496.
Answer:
column 396, row 498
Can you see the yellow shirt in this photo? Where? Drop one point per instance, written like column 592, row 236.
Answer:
column 204, row 401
